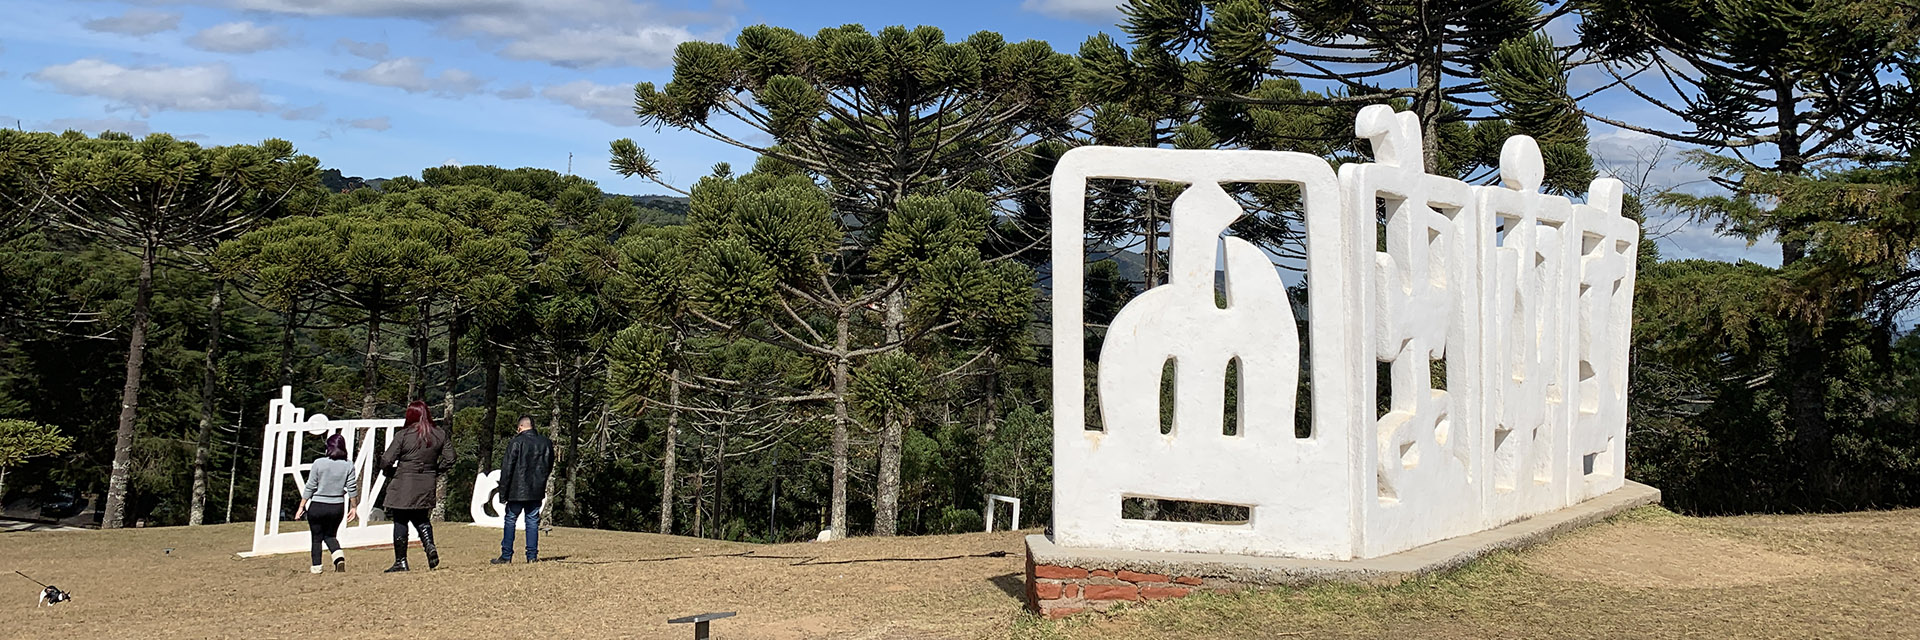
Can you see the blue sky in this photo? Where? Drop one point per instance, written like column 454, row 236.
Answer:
column 378, row 88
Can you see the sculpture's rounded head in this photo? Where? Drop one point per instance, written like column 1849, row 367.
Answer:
column 1395, row 136
column 1521, row 168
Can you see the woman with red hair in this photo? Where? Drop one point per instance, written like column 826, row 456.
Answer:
column 413, row 463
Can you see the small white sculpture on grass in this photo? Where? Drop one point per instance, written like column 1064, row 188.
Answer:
column 486, row 508
column 1014, row 503
column 1524, row 298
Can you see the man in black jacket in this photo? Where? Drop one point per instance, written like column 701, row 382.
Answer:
column 523, row 486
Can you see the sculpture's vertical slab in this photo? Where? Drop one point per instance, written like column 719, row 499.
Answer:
column 1532, row 256
column 1424, row 453
column 1609, row 253
column 1292, row 486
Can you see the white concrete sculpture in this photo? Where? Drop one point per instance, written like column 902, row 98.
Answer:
column 283, row 468
column 486, row 508
column 1013, row 502
column 284, row 464
column 1524, row 298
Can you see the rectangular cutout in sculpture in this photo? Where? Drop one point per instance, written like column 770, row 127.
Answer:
column 1524, row 298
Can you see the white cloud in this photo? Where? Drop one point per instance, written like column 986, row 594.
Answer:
column 237, row 37
column 1701, row 242
column 136, row 128
column 410, row 74
column 374, row 124
column 644, row 46
column 310, row 112
column 1101, row 11
column 516, row 92
column 568, row 33
column 375, row 51
column 145, row 89
column 609, row 103
column 1637, row 157
column 135, row 22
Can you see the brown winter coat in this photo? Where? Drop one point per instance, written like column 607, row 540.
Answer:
column 412, row 464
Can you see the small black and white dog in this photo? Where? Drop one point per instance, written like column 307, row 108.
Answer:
column 53, row 596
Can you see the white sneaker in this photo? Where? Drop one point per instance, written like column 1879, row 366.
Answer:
column 316, row 568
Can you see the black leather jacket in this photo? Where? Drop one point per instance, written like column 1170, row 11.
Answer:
column 524, row 468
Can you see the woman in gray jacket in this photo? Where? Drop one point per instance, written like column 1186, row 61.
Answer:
column 332, row 494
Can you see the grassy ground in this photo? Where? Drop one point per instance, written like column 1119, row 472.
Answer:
column 1646, row 574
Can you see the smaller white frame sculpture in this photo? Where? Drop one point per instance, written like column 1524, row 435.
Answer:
column 284, row 465
column 1015, row 502
column 487, row 509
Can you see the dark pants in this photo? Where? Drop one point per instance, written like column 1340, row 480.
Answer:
column 323, row 522
column 419, row 519
column 532, row 510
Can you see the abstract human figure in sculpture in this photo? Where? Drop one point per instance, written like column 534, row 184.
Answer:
column 1609, row 248
column 1419, row 316
column 1531, row 345
column 1180, row 322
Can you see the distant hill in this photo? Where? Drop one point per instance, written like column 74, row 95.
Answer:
column 337, row 183
column 670, row 204
column 665, row 210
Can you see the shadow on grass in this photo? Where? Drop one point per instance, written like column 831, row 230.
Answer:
column 1013, row 584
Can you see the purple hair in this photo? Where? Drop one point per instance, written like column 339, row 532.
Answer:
column 337, row 447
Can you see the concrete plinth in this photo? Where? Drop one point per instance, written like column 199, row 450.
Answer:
column 1062, row 581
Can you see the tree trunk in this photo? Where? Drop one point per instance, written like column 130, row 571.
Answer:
column 720, row 481
column 886, row 509
column 841, row 371
column 116, row 507
column 667, row 476
column 417, row 379
column 1428, row 107
column 490, row 422
column 1804, row 372
column 699, row 502
column 573, row 443
column 209, row 388
column 452, row 388
column 286, row 347
column 553, row 428
column 370, row 366
column 1150, row 228
column 992, row 405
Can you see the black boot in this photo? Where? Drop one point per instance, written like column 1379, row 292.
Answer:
column 426, row 543
column 399, row 549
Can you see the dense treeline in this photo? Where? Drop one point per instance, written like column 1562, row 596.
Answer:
column 852, row 334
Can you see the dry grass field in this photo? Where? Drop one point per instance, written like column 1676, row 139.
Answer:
column 1647, row 574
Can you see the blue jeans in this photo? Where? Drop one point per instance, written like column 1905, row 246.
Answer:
column 514, row 509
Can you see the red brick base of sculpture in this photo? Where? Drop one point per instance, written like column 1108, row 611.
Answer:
column 1064, row 581
column 1055, row 591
